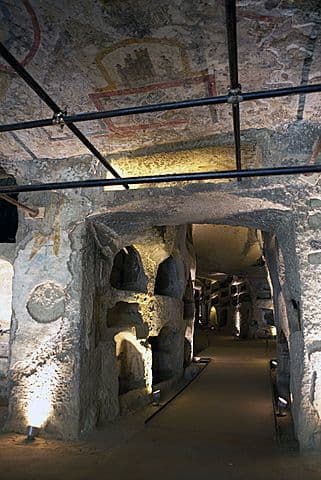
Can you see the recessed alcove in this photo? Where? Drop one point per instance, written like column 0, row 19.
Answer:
column 127, row 271
column 130, row 364
column 170, row 278
column 124, row 314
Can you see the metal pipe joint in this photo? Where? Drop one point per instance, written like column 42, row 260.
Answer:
column 235, row 95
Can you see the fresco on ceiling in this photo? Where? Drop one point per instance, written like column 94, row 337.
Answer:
column 20, row 32
column 109, row 54
column 148, row 71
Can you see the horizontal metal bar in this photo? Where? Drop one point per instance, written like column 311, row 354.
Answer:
column 160, row 107
column 281, row 92
column 175, row 177
column 121, row 112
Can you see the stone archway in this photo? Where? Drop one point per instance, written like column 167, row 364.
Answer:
column 217, row 208
column 126, row 223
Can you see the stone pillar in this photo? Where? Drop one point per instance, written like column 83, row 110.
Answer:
column 307, row 341
column 45, row 332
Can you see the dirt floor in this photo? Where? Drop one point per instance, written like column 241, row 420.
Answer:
column 221, row 427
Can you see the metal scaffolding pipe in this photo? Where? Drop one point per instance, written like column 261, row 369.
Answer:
column 161, row 107
column 167, row 178
column 235, row 88
column 237, row 136
column 230, row 15
column 31, row 82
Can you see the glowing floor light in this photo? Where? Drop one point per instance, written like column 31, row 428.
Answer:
column 156, row 397
column 273, row 364
column 32, row 432
column 39, row 399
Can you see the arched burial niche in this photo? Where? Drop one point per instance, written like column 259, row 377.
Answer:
column 124, row 315
column 6, row 275
column 170, row 278
column 127, row 272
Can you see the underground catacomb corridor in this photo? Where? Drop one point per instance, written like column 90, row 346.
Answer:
column 160, row 249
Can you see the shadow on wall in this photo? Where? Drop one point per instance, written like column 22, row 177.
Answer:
column 127, row 272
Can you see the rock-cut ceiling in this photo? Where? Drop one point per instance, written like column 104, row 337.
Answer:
column 103, row 54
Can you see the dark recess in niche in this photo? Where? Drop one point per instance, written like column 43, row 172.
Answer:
column 8, row 212
column 127, row 272
column 223, row 317
column 167, row 281
column 124, row 314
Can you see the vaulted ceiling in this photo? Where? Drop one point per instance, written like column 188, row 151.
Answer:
column 110, row 54
column 226, row 249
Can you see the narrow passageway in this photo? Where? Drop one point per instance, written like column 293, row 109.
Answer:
column 221, row 426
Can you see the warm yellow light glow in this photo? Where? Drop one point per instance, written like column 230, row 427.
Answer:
column 40, row 390
column 137, row 356
column 202, row 159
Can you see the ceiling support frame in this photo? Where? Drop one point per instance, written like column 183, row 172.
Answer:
column 58, row 112
column 235, row 96
column 167, row 178
column 162, row 107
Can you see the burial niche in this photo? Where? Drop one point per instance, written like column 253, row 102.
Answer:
column 130, row 364
column 170, row 278
column 127, row 272
column 123, row 315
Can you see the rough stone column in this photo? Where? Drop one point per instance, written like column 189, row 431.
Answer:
column 308, row 341
column 45, row 333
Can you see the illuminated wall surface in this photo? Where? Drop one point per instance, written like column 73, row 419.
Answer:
column 64, row 361
column 203, row 159
column 6, row 274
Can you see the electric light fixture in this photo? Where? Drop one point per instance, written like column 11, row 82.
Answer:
column 32, row 433
column 282, row 406
column 156, row 397
column 273, row 364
